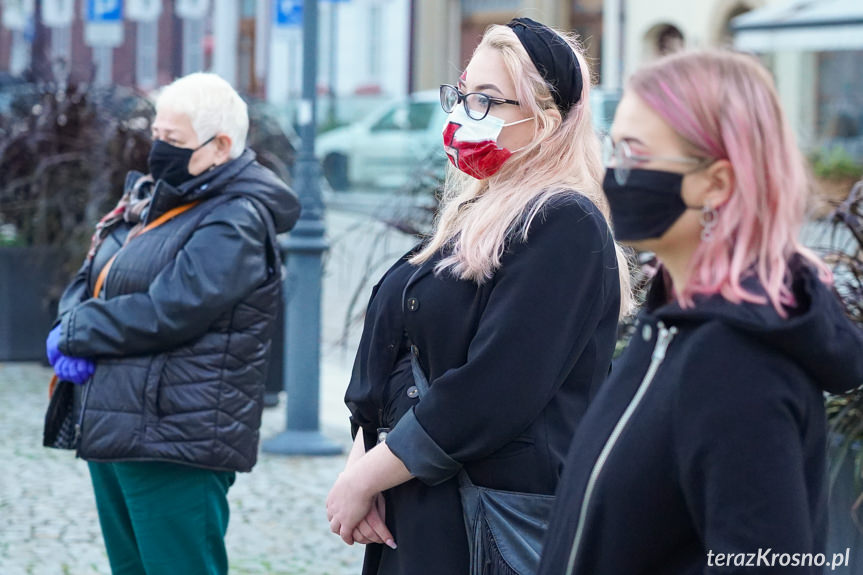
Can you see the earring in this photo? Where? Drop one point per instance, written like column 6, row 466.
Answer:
column 708, row 220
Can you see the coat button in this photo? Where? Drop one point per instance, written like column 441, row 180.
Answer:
column 415, row 350
column 382, row 436
column 413, row 304
column 647, row 332
column 413, row 392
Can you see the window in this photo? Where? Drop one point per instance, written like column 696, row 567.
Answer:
column 375, row 33
column 19, row 58
column 193, row 45
column 147, row 54
column 839, row 109
column 103, row 58
column 61, row 45
column 420, row 114
column 414, row 116
column 395, row 119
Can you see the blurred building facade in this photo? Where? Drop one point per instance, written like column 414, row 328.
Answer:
column 369, row 49
column 364, row 44
column 448, row 31
column 374, row 50
column 817, row 73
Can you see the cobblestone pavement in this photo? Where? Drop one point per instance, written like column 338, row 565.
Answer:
column 48, row 522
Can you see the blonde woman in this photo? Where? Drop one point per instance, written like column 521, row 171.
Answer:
column 509, row 311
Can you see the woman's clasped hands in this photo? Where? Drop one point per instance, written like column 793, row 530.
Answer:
column 356, row 514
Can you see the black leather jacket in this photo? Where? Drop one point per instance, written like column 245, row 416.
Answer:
column 182, row 329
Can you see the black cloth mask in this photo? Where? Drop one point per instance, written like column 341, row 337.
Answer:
column 647, row 205
column 171, row 163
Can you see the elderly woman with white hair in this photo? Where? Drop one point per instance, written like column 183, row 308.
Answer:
column 167, row 330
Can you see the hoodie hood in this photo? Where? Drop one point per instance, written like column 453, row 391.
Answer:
column 816, row 334
column 242, row 175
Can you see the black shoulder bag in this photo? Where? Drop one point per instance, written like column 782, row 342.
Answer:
column 505, row 529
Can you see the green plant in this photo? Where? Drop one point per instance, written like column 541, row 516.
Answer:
column 275, row 149
column 643, row 267
column 835, row 164
column 845, row 412
column 65, row 148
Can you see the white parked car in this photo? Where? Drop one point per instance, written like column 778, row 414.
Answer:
column 388, row 147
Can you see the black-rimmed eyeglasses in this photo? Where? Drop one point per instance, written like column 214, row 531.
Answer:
column 476, row 104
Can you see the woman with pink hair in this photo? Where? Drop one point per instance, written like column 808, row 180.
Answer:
column 482, row 347
column 705, row 450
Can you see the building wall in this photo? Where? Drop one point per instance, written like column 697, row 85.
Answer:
column 80, row 56
column 704, row 24
column 371, row 40
column 372, row 46
column 701, row 23
column 448, row 31
column 437, row 42
column 586, row 21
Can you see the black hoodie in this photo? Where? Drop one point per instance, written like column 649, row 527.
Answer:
column 708, row 439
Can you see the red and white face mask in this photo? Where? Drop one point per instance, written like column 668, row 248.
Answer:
column 471, row 145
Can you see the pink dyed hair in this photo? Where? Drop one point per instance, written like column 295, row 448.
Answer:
column 724, row 106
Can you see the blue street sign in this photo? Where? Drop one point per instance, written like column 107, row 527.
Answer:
column 104, row 11
column 289, row 13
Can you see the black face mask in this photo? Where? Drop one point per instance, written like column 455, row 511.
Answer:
column 171, row 163
column 647, row 205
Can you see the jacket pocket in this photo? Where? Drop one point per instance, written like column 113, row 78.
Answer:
column 152, row 386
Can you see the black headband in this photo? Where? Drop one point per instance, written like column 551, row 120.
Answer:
column 554, row 59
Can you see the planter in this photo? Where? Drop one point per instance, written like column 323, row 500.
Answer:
column 28, row 300
column 843, row 533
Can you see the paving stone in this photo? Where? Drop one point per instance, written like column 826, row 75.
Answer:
column 48, row 520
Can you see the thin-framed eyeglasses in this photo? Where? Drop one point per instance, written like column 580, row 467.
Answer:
column 476, row 104
column 618, row 156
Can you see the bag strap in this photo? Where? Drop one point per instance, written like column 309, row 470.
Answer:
column 420, row 379
column 169, row 215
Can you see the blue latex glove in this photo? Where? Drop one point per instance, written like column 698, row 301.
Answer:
column 51, row 346
column 75, row 369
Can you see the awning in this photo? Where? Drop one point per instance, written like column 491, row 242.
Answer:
column 804, row 25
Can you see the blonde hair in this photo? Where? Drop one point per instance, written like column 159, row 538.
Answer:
column 212, row 105
column 563, row 160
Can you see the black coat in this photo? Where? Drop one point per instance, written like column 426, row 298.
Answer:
column 181, row 331
column 512, row 364
column 708, row 437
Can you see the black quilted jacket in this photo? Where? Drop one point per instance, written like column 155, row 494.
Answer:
column 182, row 329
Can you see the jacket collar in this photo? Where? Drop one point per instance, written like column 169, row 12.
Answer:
column 201, row 187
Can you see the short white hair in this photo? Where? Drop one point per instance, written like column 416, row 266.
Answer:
column 212, row 105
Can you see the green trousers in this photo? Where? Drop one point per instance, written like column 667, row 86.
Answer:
column 162, row 518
